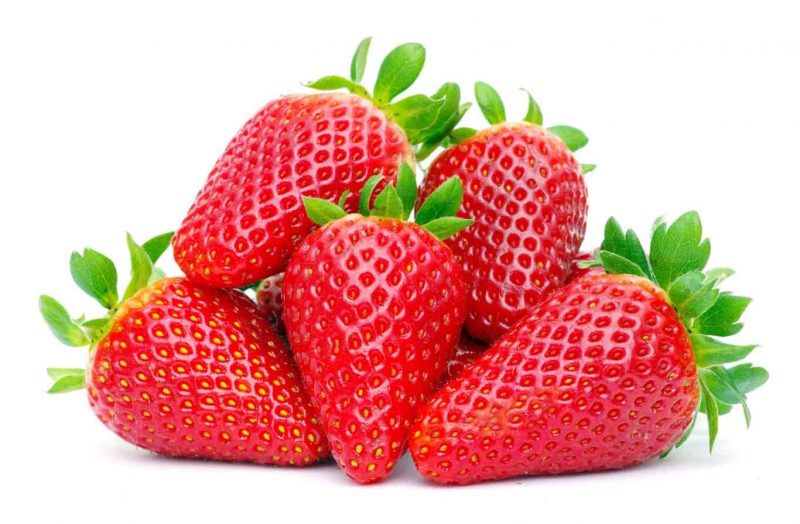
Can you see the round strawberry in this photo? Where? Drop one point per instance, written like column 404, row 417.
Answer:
column 249, row 218
column 608, row 372
column 270, row 301
column 373, row 307
column 464, row 354
column 185, row 370
column 526, row 193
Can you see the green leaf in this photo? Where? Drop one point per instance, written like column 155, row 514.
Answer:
column 96, row 275
column 97, row 328
column 388, row 204
column 57, row 373
column 460, row 134
column 443, row 202
column 359, row 62
column 156, row 246
column 747, row 377
column 712, row 413
column 692, row 294
column 619, row 265
column 156, row 275
column 415, row 114
column 398, row 71
column 572, row 137
column 722, row 318
column 626, row 245
column 709, row 352
column 141, row 268
column 343, row 198
column 448, row 117
column 445, row 227
column 366, row 194
column 322, row 211
column 407, row 188
column 534, row 114
column 490, row 103
column 678, row 249
column 722, row 386
column 334, row 82
column 588, row 168
column 67, row 383
column 60, row 323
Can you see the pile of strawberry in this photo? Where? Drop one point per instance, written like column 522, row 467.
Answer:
column 476, row 336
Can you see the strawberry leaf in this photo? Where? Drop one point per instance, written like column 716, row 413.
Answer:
column 57, row 373
column 60, row 323
column 588, row 168
column 366, row 194
column 618, row 265
column 321, row 211
column 572, row 137
column 415, row 114
column 407, row 188
column 712, row 413
column 398, row 71
column 460, row 134
column 141, row 268
column 334, row 82
column 722, row 319
column 449, row 116
column 626, row 245
column 68, row 382
column 443, row 202
column 445, row 227
column 678, row 249
column 156, row 246
column 96, row 275
column 359, row 62
column 534, row 114
column 709, row 352
column 388, row 204
column 490, row 103
column 748, row 377
column 343, row 198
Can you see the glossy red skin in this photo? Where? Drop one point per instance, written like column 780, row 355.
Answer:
column 373, row 309
column 191, row 371
column 466, row 352
column 576, row 272
column 599, row 376
column 270, row 301
column 248, row 219
column 527, row 195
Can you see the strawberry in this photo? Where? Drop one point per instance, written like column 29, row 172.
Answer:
column 527, row 195
column 608, row 372
column 373, row 307
column 248, row 218
column 465, row 353
column 185, row 370
column 270, row 301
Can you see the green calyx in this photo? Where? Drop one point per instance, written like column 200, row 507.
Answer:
column 493, row 109
column 426, row 120
column 96, row 275
column 436, row 214
column 676, row 263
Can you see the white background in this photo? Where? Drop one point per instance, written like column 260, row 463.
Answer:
column 111, row 117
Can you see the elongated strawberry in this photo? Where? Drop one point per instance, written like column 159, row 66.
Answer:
column 249, row 218
column 608, row 372
column 373, row 307
column 269, row 298
column 185, row 370
column 527, row 195
column 465, row 353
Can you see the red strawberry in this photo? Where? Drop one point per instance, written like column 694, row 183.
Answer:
column 578, row 269
column 373, row 307
column 606, row 373
column 270, row 301
column 527, row 195
column 186, row 370
column 465, row 353
column 249, row 218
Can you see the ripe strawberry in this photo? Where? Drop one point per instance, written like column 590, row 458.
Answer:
column 464, row 354
column 373, row 307
column 527, row 195
column 185, row 370
column 606, row 373
column 270, row 301
column 248, row 218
